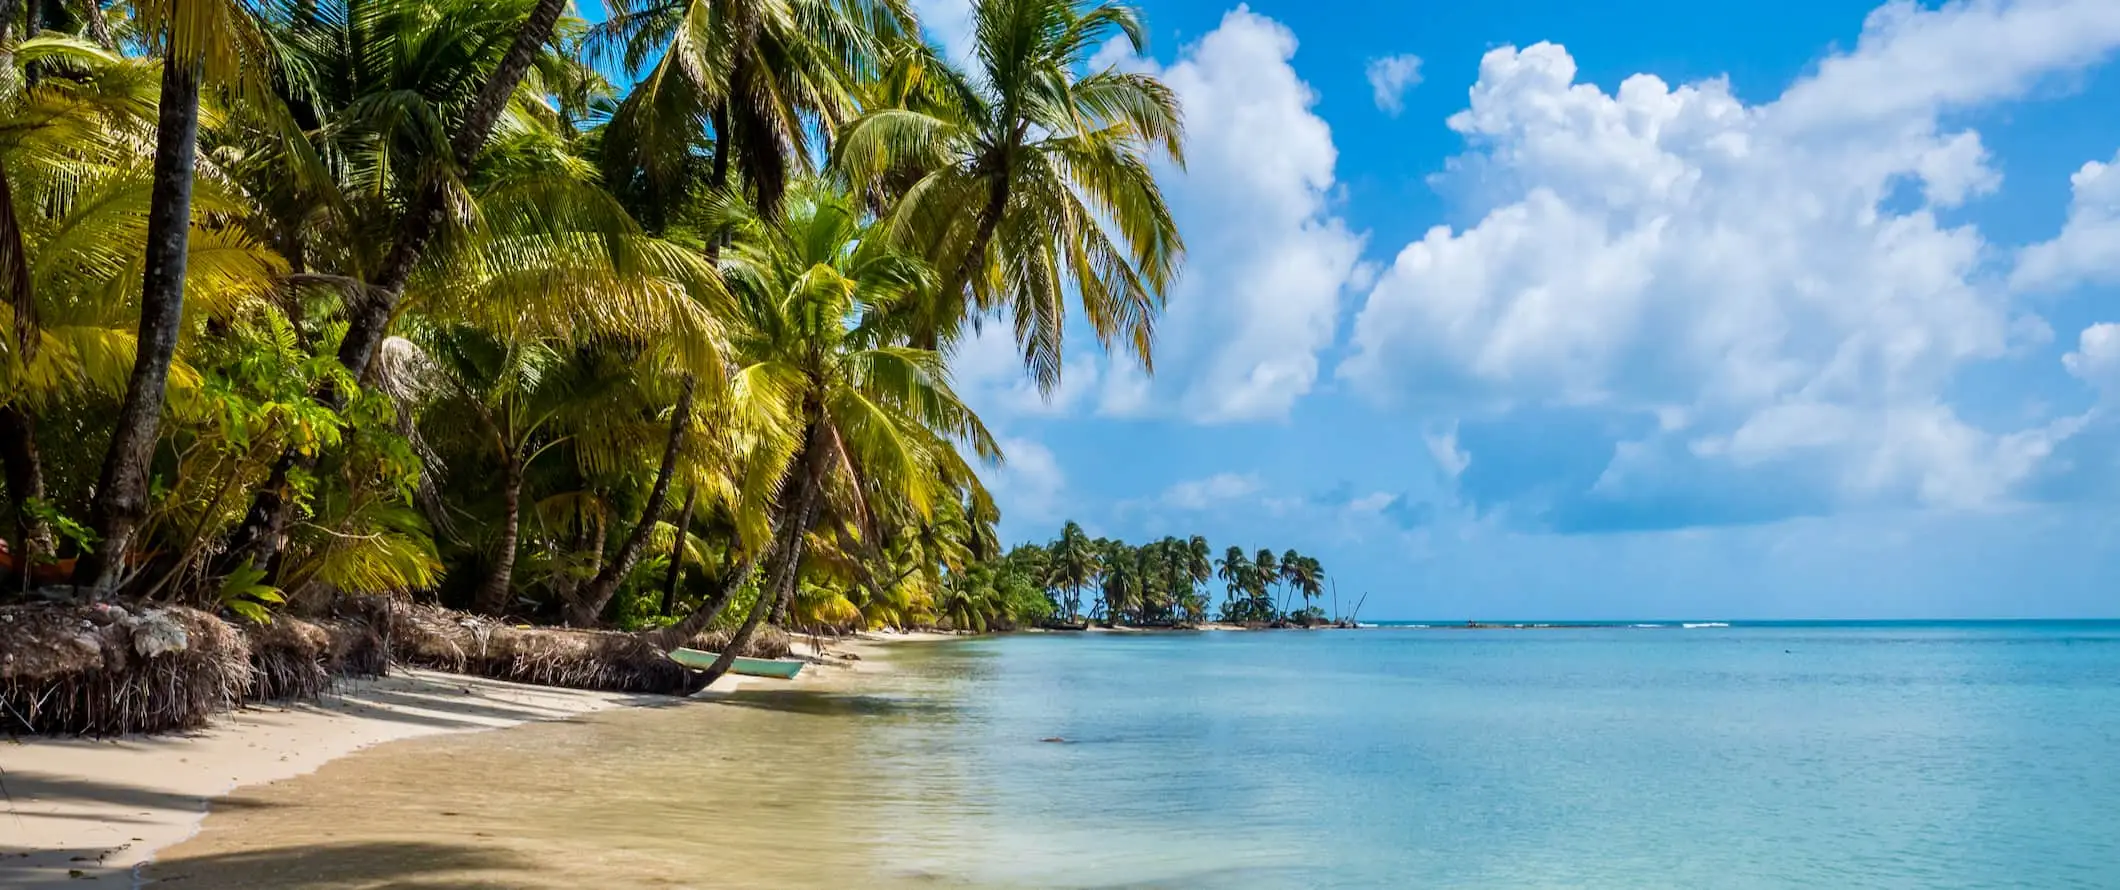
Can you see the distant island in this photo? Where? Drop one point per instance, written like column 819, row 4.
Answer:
column 1075, row 581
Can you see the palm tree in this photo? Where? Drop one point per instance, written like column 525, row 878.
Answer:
column 1303, row 576
column 201, row 40
column 1266, row 573
column 1236, row 570
column 865, row 417
column 1028, row 180
column 751, row 75
column 70, row 213
column 1074, row 564
column 1199, row 568
column 1121, row 584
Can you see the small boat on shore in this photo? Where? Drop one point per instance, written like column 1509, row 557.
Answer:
column 749, row 667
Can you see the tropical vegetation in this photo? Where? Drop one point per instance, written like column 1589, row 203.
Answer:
column 1163, row 583
column 642, row 322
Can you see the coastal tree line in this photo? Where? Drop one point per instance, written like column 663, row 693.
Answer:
column 644, row 322
column 1075, row 579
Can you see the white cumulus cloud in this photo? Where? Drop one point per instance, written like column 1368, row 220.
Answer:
column 2088, row 249
column 1732, row 270
column 1267, row 258
column 1030, row 485
column 1221, row 488
column 1389, row 79
column 2096, row 360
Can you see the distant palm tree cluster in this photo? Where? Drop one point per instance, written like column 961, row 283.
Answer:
column 1165, row 582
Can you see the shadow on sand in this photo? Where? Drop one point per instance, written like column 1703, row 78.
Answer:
column 372, row 866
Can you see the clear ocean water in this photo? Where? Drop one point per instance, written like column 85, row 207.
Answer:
column 1826, row 755
column 1872, row 755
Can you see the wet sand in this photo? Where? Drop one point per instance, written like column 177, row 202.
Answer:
column 86, row 813
column 760, row 787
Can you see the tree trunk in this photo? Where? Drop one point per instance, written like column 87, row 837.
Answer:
column 785, row 552
column 368, row 316
column 605, row 584
column 676, row 571
column 256, row 539
column 98, row 29
column 25, row 482
column 975, row 253
column 700, row 618
column 492, row 595
column 780, row 580
column 121, row 491
column 371, row 318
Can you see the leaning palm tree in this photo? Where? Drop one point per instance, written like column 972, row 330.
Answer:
column 865, row 418
column 1028, row 180
column 399, row 102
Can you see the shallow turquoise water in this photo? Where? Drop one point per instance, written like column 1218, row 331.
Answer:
column 1957, row 755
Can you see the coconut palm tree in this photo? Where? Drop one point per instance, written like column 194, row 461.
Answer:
column 1199, row 569
column 1236, row 571
column 865, row 417
column 1028, row 179
column 735, row 85
column 1074, row 565
column 201, row 41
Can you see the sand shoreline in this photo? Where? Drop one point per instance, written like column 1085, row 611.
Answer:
column 81, row 812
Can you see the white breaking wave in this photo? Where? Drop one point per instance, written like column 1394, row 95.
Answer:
column 1646, row 625
column 1706, row 624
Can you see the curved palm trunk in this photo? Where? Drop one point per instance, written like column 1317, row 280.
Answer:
column 430, row 207
column 586, row 609
column 780, row 582
column 678, row 634
column 676, row 571
column 121, row 490
column 257, row 538
column 492, row 595
column 789, row 540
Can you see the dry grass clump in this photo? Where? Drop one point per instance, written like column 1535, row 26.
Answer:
column 105, row 670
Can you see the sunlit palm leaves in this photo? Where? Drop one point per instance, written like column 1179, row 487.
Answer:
column 1033, row 182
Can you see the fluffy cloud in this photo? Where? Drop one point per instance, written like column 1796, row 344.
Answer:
column 1389, row 79
column 1267, row 258
column 1747, row 275
column 1200, row 494
column 1443, row 447
column 2097, row 358
column 2088, row 249
column 949, row 23
column 1030, row 485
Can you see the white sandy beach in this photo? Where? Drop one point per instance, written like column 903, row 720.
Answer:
column 81, row 812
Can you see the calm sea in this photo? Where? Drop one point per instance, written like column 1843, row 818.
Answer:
column 1869, row 755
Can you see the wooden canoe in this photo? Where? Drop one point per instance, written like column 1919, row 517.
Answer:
column 749, row 667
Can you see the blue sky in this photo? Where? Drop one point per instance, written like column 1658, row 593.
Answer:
column 1634, row 309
